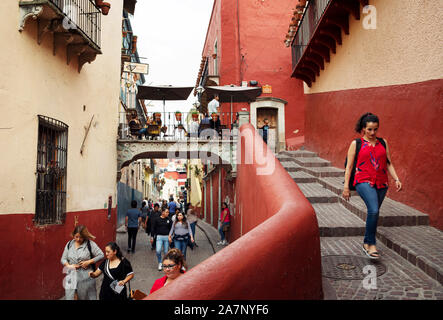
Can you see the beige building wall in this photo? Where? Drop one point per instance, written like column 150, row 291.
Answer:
column 405, row 47
column 33, row 81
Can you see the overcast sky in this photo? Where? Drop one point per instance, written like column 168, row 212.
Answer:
column 171, row 35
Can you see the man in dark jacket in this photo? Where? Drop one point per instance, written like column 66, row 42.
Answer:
column 155, row 214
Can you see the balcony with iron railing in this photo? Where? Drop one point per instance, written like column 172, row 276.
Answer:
column 176, row 126
column 318, row 33
column 75, row 24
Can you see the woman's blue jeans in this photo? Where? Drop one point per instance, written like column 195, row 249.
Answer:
column 193, row 229
column 220, row 230
column 162, row 241
column 181, row 245
column 373, row 199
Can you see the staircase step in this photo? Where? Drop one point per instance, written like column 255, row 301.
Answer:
column 283, row 157
column 299, row 153
column 302, row 177
column 290, row 166
column 420, row 245
column 322, row 172
column 334, row 220
column 392, row 213
column 334, row 184
column 312, row 162
column 315, row 193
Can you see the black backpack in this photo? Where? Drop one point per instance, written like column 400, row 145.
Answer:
column 88, row 244
column 357, row 150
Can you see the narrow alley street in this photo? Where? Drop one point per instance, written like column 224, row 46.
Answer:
column 144, row 260
column 299, row 138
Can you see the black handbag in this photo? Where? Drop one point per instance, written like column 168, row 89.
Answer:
column 181, row 238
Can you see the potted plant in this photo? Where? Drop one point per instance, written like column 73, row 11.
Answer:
column 178, row 116
column 105, row 7
column 194, row 115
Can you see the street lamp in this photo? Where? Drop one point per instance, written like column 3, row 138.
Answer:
column 196, row 104
column 200, row 90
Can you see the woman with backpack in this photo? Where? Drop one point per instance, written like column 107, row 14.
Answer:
column 117, row 273
column 180, row 233
column 79, row 258
column 372, row 164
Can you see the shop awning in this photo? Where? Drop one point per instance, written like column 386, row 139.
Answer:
column 163, row 93
column 129, row 6
column 234, row 93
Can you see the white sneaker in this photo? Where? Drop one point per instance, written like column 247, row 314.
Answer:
column 220, row 243
column 224, row 243
column 160, row 267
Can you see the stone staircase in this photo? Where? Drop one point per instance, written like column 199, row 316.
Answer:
column 401, row 228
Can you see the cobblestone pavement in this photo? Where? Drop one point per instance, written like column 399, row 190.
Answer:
column 401, row 281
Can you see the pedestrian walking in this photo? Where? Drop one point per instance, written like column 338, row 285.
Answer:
column 225, row 221
column 192, row 219
column 79, row 258
column 265, row 130
column 371, row 157
column 144, row 213
column 180, row 233
column 172, row 205
column 117, row 273
column 164, row 205
column 160, row 228
column 173, row 266
column 132, row 222
column 155, row 214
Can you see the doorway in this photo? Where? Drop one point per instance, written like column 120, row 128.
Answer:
column 271, row 114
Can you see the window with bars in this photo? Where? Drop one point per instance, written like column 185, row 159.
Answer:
column 52, row 152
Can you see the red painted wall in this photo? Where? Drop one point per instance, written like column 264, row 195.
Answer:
column 251, row 48
column 30, row 255
column 279, row 254
column 410, row 119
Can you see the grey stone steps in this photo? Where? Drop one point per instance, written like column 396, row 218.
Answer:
column 334, row 220
column 322, row 172
column 401, row 228
column 290, row 166
column 315, row 193
column 392, row 213
column 420, row 245
column 334, row 184
column 282, row 158
column 302, row 177
column 312, row 162
column 299, row 153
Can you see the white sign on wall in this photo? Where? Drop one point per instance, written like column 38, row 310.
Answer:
column 136, row 67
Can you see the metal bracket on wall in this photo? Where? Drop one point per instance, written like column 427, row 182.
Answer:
column 86, row 134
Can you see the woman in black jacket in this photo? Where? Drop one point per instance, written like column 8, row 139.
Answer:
column 160, row 228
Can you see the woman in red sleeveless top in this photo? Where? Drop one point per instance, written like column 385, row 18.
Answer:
column 371, row 176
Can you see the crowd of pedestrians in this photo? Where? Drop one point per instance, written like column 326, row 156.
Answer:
column 170, row 232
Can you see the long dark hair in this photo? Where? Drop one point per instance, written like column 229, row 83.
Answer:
column 184, row 221
column 364, row 119
column 115, row 247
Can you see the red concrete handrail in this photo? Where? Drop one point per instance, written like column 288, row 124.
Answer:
column 278, row 257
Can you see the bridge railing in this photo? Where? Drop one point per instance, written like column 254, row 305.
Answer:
column 277, row 251
column 173, row 126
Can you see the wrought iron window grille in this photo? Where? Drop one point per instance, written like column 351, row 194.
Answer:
column 51, row 172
